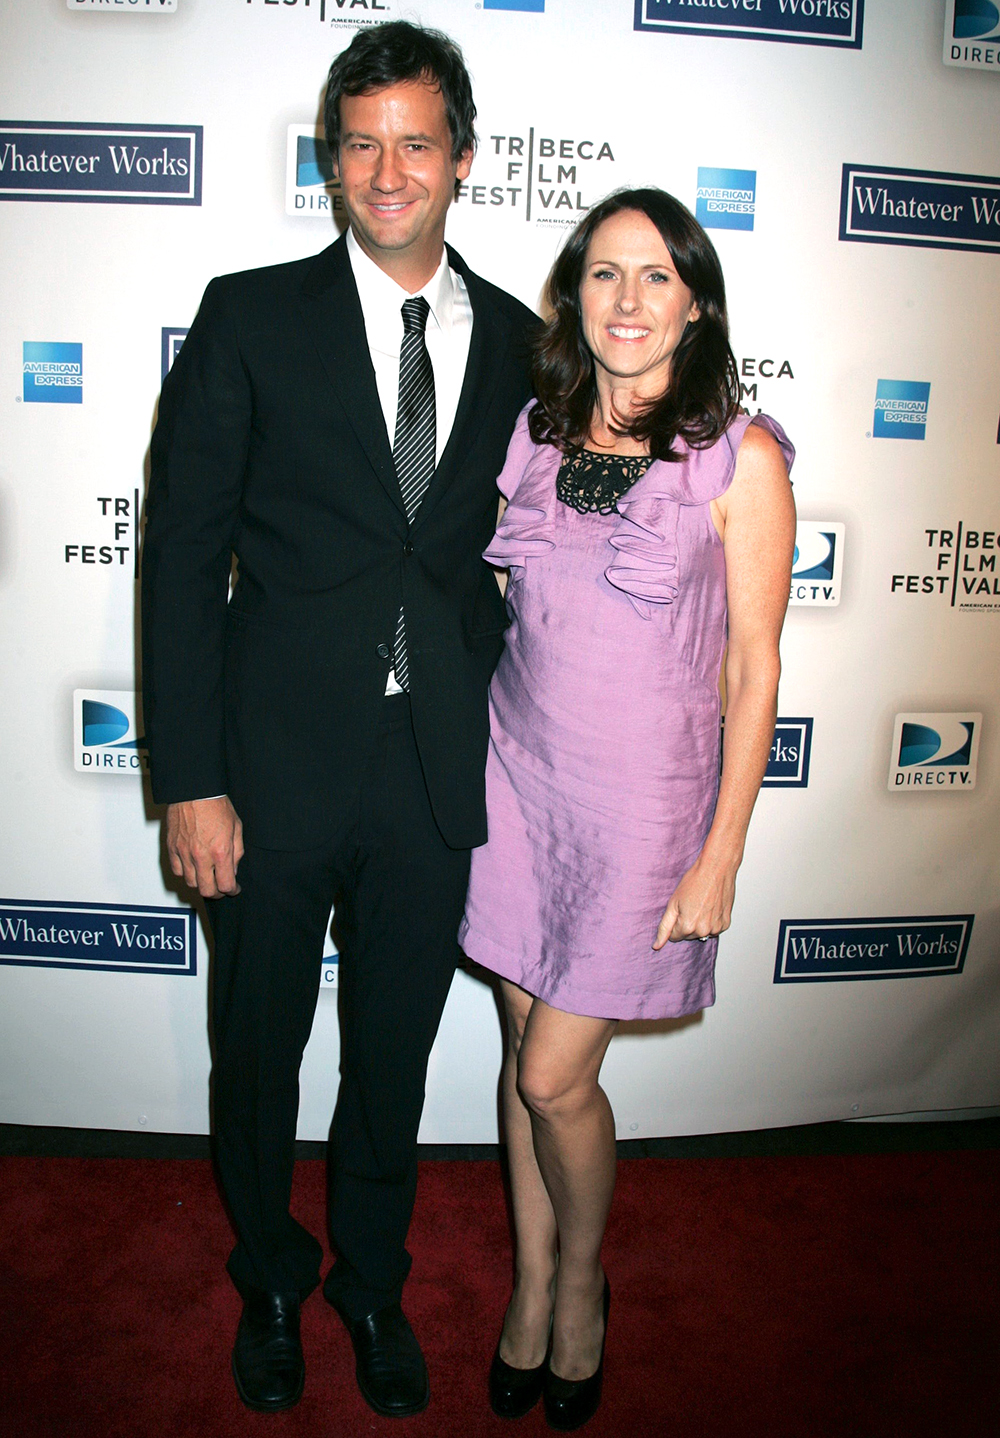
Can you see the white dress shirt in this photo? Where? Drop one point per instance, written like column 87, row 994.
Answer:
column 448, row 333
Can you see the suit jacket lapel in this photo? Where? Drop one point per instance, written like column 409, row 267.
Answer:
column 491, row 339
column 331, row 312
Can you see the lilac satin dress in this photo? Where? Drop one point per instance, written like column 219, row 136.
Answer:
column 603, row 766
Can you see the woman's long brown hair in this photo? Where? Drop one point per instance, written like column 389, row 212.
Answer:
column 703, row 394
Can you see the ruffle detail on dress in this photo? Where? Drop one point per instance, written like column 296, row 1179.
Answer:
column 528, row 480
column 646, row 565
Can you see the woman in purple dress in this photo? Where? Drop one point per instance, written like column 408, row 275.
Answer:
column 648, row 522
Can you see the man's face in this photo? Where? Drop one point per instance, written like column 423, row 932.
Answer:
column 397, row 174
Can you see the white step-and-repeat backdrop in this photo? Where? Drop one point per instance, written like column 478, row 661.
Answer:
column 846, row 157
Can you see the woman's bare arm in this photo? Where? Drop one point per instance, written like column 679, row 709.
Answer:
column 757, row 519
column 502, row 575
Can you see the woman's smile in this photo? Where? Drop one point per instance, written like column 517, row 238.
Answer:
column 633, row 304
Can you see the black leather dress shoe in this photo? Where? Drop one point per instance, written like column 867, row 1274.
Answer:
column 514, row 1391
column 569, row 1404
column 390, row 1367
column 267, row 1358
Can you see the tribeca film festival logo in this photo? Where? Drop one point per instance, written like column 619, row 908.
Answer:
column 53, row 373
column 802, row 22
column 105, row 734
column 818, row 563
column 548, row 179
column 972, row 34
column 961, row 566
column 124, row 7
column 726, row 199
column 542, row 176
column 171, row 340
column 753, row 371
column 934, row 751
column 928, row 208
column 900, row 409
column 119, row 516
column 122, row 938
column 816, row 950
column 104, row 164
column 357, row 14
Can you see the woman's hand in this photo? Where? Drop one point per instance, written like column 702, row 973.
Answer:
column 702, row 904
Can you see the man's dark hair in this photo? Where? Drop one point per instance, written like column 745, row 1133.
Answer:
column 703, row 395
column 392, row 53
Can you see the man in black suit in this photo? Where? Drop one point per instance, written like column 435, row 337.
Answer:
column 337, row 424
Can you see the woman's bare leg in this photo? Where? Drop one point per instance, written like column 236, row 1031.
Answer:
column 525, row 1336
column 572, row 1154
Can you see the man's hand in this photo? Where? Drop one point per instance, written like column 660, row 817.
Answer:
column 205, row 845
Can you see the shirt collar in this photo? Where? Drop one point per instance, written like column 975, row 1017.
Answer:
column 382, row 298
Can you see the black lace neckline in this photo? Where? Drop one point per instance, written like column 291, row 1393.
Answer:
column 593, row 483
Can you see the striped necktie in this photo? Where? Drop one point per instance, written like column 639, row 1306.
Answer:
column 413, row 451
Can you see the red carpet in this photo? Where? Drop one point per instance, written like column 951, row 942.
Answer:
column 779, row 1297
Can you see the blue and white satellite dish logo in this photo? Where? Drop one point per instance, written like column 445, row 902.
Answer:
column 311, row 188
column 935, row 752
column 817, row 565
column 975, row 20
column 105, row 737
column 972, row 34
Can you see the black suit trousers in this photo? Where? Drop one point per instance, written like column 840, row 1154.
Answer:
column 400, row 892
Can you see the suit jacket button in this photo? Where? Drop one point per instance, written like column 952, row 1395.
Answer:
column 383, row 651
column 407, row 548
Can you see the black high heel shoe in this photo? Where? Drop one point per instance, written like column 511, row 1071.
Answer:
column 570, row 1404
column 515, row 1391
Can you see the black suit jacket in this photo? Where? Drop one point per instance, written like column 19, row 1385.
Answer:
column 270, row 444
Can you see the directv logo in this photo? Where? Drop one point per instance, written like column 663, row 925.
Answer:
column 53, row 373
column 726, row 199
column 972, row 34
column 329, row 977
column 935, row 752
column 818, row 562
column 311, row 188
column 312, row 161
column 105, row 736
column 900, row 409
column 975, row 20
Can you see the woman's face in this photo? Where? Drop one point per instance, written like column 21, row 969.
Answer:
column 633, row 303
